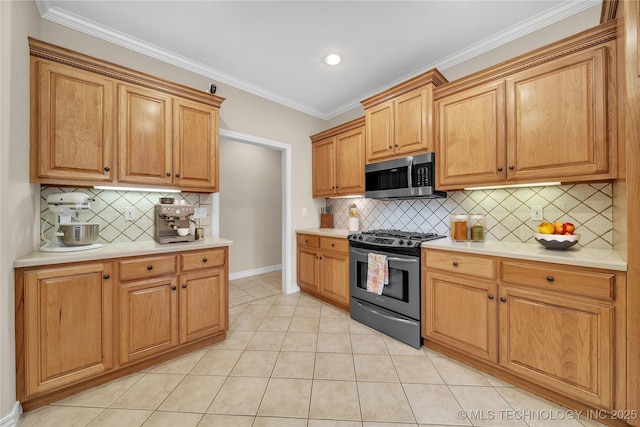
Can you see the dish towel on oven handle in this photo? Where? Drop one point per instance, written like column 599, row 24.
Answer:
column 377, row 273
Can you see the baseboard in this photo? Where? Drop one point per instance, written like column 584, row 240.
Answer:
column 254, row 272
column 292, row 289
column 11, row 419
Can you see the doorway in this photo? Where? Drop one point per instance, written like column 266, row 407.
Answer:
column 285, row 159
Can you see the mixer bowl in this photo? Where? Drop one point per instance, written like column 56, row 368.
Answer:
column 78, row 233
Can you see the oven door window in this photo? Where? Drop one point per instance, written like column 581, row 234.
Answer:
column 398, row 287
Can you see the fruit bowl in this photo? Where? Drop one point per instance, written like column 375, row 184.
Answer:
column 557, row 242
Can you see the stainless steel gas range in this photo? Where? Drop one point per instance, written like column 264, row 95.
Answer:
column 393, row 308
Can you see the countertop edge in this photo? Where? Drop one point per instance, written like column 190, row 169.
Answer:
column 117, row 250
column 328, row 232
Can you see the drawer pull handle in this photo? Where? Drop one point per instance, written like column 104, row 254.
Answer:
column 550, row 279
column 149, row 267
column 491, row 296
column 184, row 286
column 106, row 276
column 204, row 260
column 306, row 241
column 332, row 245
column 174, row 287
column 455, row 263
column 503, row 299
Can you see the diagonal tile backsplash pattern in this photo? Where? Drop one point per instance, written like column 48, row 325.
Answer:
column 108, row 211
column 507, row 211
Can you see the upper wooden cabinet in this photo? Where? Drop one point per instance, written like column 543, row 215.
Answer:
column 95, row 122
column 338, row 160
column 399, row 120
column 545, row 116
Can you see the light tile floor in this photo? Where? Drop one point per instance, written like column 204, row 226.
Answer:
column 292, row 360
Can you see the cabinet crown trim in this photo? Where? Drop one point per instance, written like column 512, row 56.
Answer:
column 40, row 49
column 433, row 77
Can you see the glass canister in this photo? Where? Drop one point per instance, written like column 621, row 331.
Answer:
column 476, row 227
column 459, row 226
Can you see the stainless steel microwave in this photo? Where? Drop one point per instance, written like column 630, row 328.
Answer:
column 403, row 178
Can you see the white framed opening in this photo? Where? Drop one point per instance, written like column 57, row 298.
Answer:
column 287, row 282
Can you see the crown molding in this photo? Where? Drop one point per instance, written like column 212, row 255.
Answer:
column 49, row 12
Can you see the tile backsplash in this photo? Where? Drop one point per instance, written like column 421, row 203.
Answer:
column 507, row 211
column 108, row 211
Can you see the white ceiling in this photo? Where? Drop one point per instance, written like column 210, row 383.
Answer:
column 276, row 49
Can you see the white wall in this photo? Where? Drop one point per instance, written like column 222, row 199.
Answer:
column 251, row 205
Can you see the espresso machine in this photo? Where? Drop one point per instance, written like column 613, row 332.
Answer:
column 172, row 221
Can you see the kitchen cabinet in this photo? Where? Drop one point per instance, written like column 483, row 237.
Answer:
column 338, row 160
column 545, row 116
column 72, row 115
column 552, row 325
column 93, row 122
column 66, row 332
column 79, row 325
column 323, row 268
column 455, row 283
column 399, row 120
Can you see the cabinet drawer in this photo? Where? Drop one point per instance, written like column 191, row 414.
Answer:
column 574, row 280
column 334, row 244
column 471, row 265
column 141, row 268
column 202, row 259
column 308, row 240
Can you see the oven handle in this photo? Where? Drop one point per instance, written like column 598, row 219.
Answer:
column 412, row 259
column 386, row 316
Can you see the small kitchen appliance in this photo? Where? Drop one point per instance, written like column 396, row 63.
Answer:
column 169, row 219
column 70, row 236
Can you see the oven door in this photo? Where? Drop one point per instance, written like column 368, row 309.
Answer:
column 401, row 295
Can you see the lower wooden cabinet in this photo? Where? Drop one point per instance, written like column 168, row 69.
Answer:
column 78, row 325
column 554, row 326
column 67, row 325
column 323, row 268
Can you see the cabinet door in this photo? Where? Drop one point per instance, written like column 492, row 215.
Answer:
column 350, row 162
column 559, row 342
column 323, row 160
column 411, row 115
column 557, row 119
column 334, row 276
column 380, row 132
column 148, row 318
column 308, row 268
column 144, row 130
column 471, row 137
column 67, row 325
column 72, row 124
column 203, row 304
column 195, row 145
column 461, row 313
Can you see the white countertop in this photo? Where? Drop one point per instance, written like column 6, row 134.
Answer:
column 584, row 257
column 117, row 250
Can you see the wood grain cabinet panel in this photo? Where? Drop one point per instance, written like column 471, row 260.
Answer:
column 67, row 325
column 72, row 113
column 203, row 304
column 323, row 165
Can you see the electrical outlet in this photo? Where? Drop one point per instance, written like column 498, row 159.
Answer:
column 200, row 213
column 130, row 213
column 304, row 211
column 537, row 213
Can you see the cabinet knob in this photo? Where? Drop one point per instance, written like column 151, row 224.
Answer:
column 106, row 276
column 107, row 168
column 168, row 173
column 503, row 299
column 177, row 175
column 500, row 169
column 455, row 263
column 333, row 244
column 550, row 279
column 389, row 147
column 204, row 260
column 511, row 167
column 149, row 267
column 184, row 286
column 491, row 296
column 306, row 241
column 174, row 287
column 396, row 145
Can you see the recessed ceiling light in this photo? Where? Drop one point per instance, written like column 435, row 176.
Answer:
column 332, row 59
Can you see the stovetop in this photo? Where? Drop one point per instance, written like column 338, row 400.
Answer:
column 392, row 238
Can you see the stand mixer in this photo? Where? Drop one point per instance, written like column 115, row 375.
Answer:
column 63, row 206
